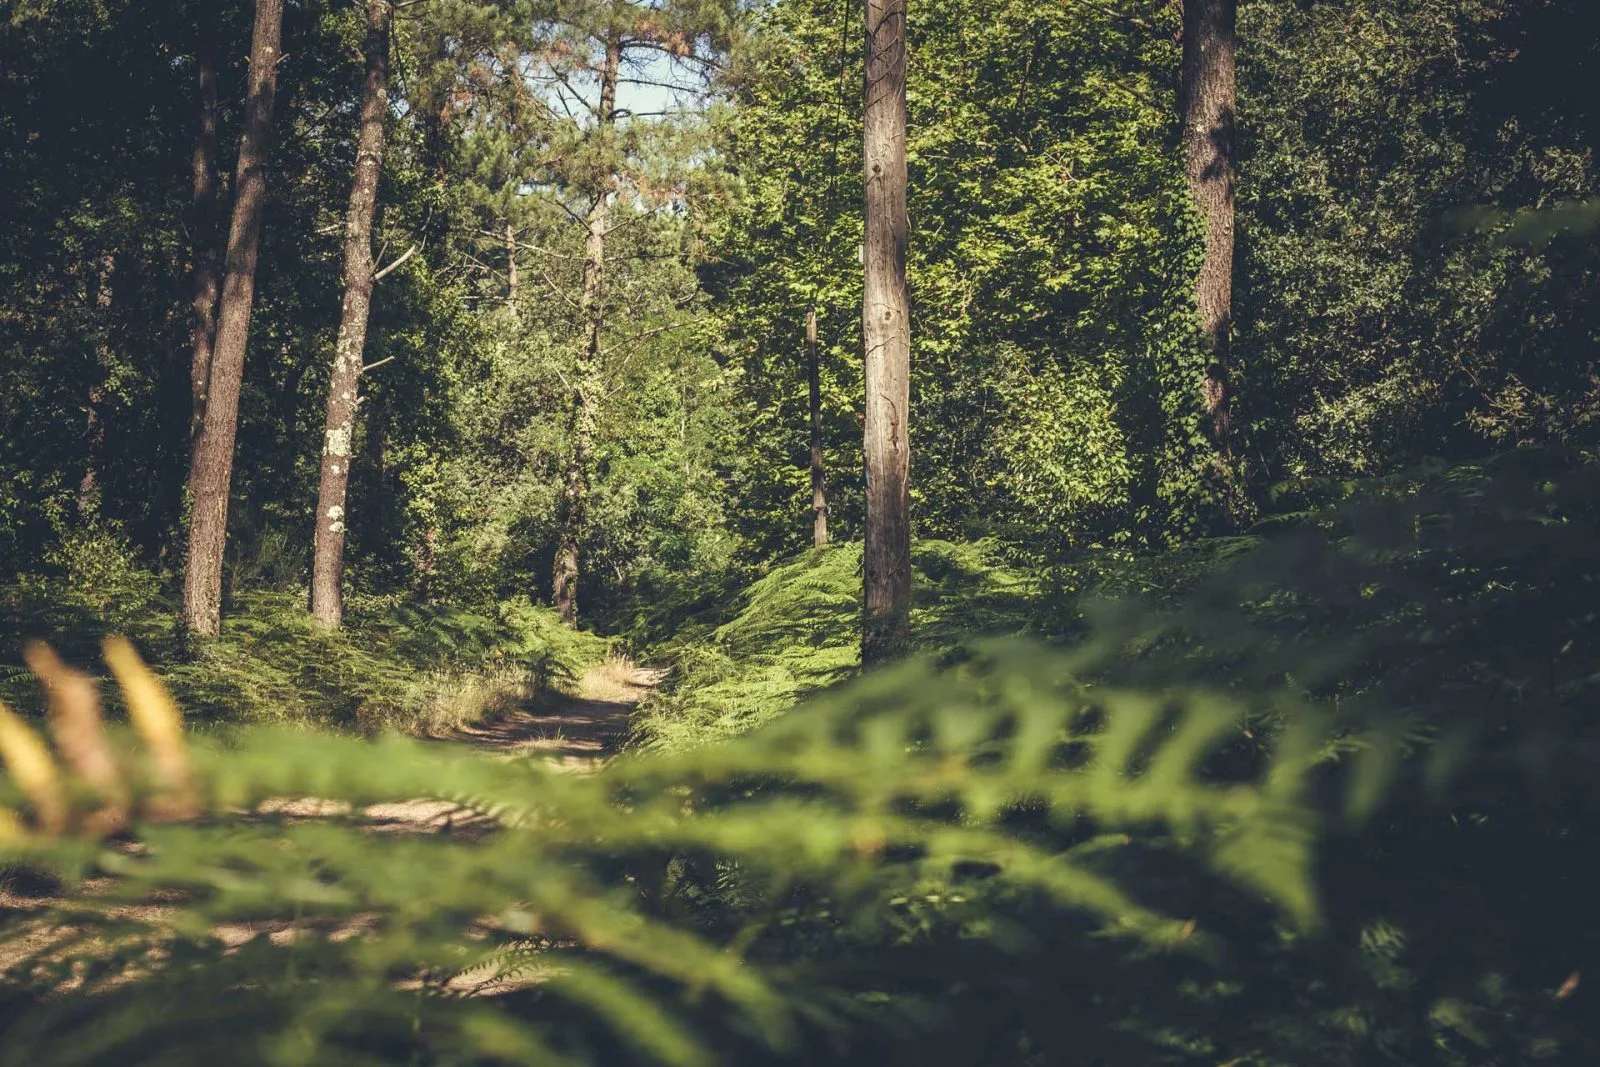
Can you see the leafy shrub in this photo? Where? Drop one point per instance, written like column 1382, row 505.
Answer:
column 94, row 569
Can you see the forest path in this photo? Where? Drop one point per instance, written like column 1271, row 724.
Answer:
column 578, row 730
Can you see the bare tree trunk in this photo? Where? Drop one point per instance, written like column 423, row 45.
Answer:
column 1207, row 98
column 819, row 496
column 512, row 280
column 213, row 459
column 586, row 384
column 886, row 332
column 344, row 383
column 204, row 226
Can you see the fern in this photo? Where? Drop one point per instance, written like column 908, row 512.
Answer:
column 900, row 781
column 796, row 632
column 394, row 666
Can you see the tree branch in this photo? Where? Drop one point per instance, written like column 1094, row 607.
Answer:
column 407, row 254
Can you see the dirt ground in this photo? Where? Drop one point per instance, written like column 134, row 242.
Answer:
column 577, row 730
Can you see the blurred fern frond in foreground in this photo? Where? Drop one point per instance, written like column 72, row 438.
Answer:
column 644, row 908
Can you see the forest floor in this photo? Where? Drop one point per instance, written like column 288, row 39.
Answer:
column 578, row 729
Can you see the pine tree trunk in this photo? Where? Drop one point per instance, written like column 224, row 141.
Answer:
column 886, row 329
column 819, row 496
column 212, row 469
column 204, row 225
column 1207, row 97
column 586, row 384
column 513, row 282
column 327, row 557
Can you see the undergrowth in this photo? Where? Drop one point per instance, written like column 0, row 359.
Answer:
column 796, row 630
column 1313, row 798
column 416, row 668
column 906, row 808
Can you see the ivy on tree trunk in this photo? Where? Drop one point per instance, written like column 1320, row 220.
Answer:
column 587, row 384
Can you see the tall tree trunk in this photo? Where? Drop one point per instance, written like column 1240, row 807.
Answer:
column 886, row 332
column 327, row 557
column 203, row 226
column 1207, row 97
column 513, row 282
column 212, row 469
column 586, row 384
column 819, row 497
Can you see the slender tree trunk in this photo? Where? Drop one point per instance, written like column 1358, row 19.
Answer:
column 586, row 385
column 513, row 282
column 204, row 226
column 819, row 496
column 213, row 459
column 327, row 557
column 1207, row 97
column 886, row 332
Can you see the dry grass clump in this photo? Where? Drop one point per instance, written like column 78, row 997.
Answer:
column 443, row 702
column 614, row 681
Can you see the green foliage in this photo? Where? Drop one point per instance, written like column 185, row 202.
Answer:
column 403, row 666
column 1055, row 367
column 1374, row 329
column 1352, row 746
column 1444, row 618
column 94, row 572
column 797, row 630
column 1243, row 813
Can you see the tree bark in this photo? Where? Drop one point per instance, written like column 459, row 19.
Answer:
column 886, row 331
column 204, row 226
column 586, row 384
column 1207, row 99
column 513, row 282
column 327, row 556
column 819, row 496
column 213, row 453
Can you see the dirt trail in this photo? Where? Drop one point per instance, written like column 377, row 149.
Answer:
column 578, row 731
